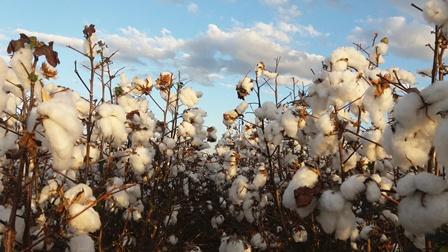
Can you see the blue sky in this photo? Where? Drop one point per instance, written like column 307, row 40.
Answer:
column 215, row 42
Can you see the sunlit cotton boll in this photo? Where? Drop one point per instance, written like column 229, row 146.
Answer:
column 189, row 97
column 140, row 158
column 87, row 221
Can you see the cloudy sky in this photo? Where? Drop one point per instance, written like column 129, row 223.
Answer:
column 213, row 43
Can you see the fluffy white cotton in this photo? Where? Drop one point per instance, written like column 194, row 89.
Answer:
column 353, row 186
column 111, row 122
column 80, row 193
column 244, row 87
column 267, row 111
column 233, row 244
column 258, row 242
column 21, row 64
column 62, row 129
column 300, row 234
column 81, row 243
column 406, row 185
column 189, row 97
column 430, row 183
column 241, row 108
column 331, row 201
column 373, row 192
column 86, row 222
column 238, row 191
column 422, row 214
column 140, row 158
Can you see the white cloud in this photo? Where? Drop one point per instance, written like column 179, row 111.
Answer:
column 284, row 8
column 407, row 39
column 210, row 56
column 193, row 8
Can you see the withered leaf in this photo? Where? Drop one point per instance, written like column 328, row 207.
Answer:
column 131, row 114
column 304, row 195
column 15, row 45
column 89, row 30
column 47, row 50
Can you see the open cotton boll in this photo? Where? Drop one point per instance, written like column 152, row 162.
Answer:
column 378, row 105
column 267, row 111
column 233, row 244
column 260, row 178
column 327, row 220
column 365, row 232
column 238, row 191
column 322, row 145
column 89, row 47
column 186, row 129
column 406, row 185
column 258, row 242
column 373, row 192
column 406, row 147
column 429, row 183
column 244, row 87
column 324, row 124
column 48, row 191
column 86, row 222
column 345, row 223
column 290, row 124
column 61, row 143
column 331, row 201
column 390, row 216
column 241, row 108
column 189, row 97
column 140, row 158
column 121, row 197
column 352, row 186
column 81, row 243
column 304, row 177
column 423, row 214
column 79, row 193
column 370, row 150
column 21, row 64
column 436, row 11
column 79, row 154
column 352, row 56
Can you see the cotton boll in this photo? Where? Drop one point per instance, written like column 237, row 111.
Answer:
column 80, row 193
column 81, row 243
column 325, row 124
column 244, row 87
column 300, row 234
column 172, row 239
column 391, row 217
column 186, row 129
column 267, row 111
column 21, row 63
column 8, row 141
column 423, row 214
column 241, row 108
column 304, row 177
column 327, row 220
column 216, row 221
column 436, row 11
column 331, row 201
column 429, row 183
column 260, row 178
column 352, row 186
column 247, row 210
column 86, row 222
column 189, row 97
column 365, row 232
column 345, row 223
column 373, row 192
column 238, row 191
column 406, row 185
column 258, row 242
column 140, row 159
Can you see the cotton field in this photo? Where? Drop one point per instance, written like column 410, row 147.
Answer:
column 352, row 161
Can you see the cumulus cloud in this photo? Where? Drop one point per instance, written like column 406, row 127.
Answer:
column 407, row 38
column 213, row 54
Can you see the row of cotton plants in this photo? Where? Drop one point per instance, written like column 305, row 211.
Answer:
column 90, row 173
column 355, row 160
